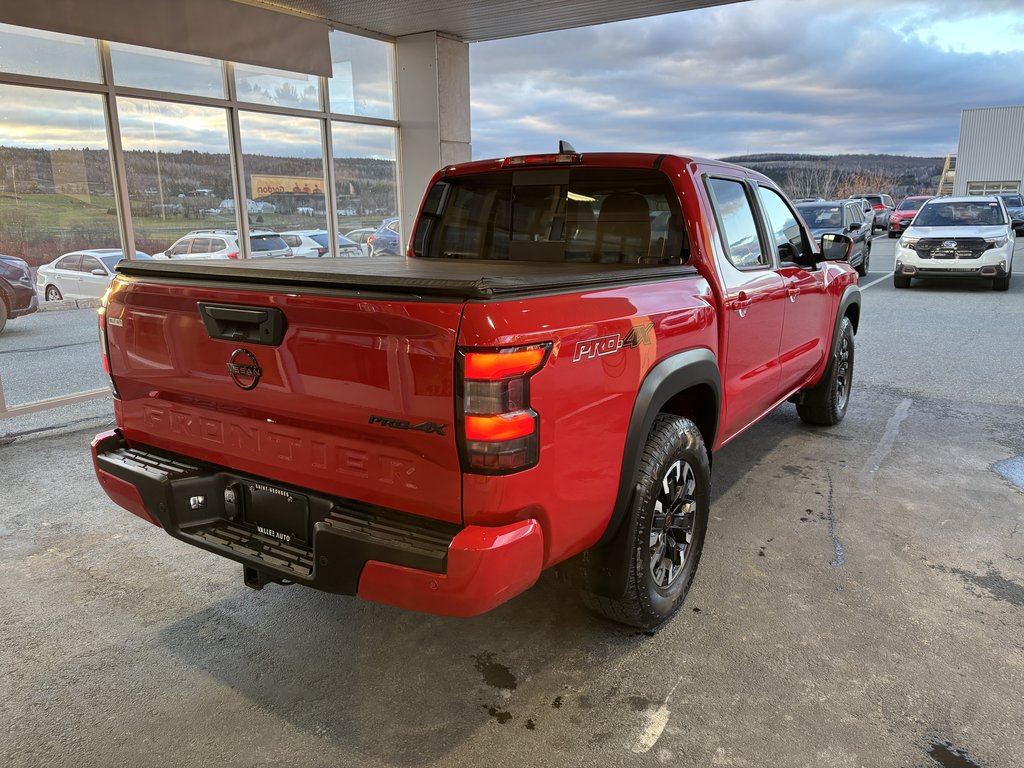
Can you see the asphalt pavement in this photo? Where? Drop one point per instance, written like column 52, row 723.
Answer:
column 860, row 602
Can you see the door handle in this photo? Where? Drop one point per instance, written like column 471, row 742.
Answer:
column 741, row 303
column 792, row 290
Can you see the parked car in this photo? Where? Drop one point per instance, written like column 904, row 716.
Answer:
column 841, row 217
column 223, row 244
column 868, row 210
column 385, row 241
column 313, row 244
column 433, row 433
column 957, row 237
column 905, row 212
column 17, row 293
column 360, row 236
column 883, row 206
column 82, row 274
column 1015, row 208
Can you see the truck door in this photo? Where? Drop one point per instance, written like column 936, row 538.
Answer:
column 754, row 298
column 808, row 308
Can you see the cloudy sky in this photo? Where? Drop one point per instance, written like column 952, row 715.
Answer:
column 814, row 76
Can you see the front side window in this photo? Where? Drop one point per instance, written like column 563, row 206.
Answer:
column 89, row 264
column 72, row 262
column 782, row 224
column 739, row 229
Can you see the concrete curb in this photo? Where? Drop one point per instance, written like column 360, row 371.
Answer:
column 58, row 306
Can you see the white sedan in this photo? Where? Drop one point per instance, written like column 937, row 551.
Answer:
column 80, row 274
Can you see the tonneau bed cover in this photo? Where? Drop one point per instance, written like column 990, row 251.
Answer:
column 455, row 278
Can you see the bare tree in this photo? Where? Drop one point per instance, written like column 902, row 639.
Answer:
column 813, row 179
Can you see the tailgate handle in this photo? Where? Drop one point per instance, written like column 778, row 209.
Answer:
column 254, row 325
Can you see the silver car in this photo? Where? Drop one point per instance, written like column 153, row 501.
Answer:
column 80, row 274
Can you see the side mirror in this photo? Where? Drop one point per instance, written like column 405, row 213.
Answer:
column 835, row 247
column 99, row 272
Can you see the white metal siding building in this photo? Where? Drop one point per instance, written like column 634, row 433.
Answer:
column 990, row 157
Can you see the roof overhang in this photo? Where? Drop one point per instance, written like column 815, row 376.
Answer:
column 477, row 20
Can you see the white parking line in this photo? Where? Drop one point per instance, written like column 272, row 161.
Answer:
column 886, row 276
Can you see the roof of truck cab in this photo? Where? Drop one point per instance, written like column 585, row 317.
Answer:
column 593, row 160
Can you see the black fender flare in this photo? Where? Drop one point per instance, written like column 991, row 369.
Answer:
column 850, row 297
column 605, row 565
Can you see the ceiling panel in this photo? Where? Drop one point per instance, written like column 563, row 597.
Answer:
column 476, row 20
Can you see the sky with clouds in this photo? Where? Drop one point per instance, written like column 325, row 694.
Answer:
column 809, row 76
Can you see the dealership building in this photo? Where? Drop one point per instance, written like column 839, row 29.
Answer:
column 990, row 154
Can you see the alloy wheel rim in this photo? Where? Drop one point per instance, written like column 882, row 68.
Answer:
column 843, row 372
column 671, row 532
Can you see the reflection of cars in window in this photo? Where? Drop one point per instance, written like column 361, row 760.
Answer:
column 842, row 217
column 313, row 244
column 385, row 241
column 223, row 244
column 17, row 294
column 958, row 237
column 80, row 274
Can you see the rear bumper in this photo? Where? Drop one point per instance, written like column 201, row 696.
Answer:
column 340, row 546
column 25, row 301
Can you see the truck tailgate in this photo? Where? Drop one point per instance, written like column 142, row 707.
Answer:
column 356, row 400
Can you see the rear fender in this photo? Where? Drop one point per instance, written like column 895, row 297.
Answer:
column 604, row 567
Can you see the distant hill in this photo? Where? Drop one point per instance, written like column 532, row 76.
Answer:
column 841, row 175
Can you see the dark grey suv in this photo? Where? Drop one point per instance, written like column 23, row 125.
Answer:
column 883, row 206
column 17, row 289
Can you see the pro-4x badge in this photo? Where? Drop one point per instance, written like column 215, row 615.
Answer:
column 430, row 427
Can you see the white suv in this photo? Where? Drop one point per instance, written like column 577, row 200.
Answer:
column 223, row 244
column 957, row 237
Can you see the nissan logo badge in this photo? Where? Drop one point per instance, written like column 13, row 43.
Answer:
column 244, row 369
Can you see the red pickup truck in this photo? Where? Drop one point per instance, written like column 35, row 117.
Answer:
column 541, row 382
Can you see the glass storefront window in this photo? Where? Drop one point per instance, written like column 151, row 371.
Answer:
column 364, row 76
column 48, row 54
column 178, row 164
column 366, row 173
column 284, row 173
column 56, row 185
column 276, row 87
column 153, row 70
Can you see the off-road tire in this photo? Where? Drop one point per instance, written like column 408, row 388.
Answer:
column 825, row 403
column 646, row 603
column 900, row 281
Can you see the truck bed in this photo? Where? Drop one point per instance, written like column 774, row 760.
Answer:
column 449, row 278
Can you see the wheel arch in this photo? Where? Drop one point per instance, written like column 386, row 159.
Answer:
column 687, row 384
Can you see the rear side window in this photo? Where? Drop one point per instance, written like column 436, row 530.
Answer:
column 200, row 245
column 603, row 216
column 72, row 262
column 736, row 221
column 267, row 243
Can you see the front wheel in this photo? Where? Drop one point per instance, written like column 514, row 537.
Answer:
column 53, row 293
column 3, row 315
column 826, row 402
column 1001, row 283
column 900, row 281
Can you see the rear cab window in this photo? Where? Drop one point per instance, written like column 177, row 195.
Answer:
column 586, row 215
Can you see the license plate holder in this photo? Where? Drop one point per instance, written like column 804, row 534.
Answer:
column 277, row 513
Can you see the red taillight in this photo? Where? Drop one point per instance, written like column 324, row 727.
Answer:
column 499, row 431
column 878, row 207
column 499, row 365
column 321, row 251
column 233, row 255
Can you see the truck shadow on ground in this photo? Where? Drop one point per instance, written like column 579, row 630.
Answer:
column 391, row 685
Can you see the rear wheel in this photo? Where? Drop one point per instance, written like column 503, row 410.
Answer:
column 669, row 512
column 825, row 404
column 901, row 281
column 53, row 293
